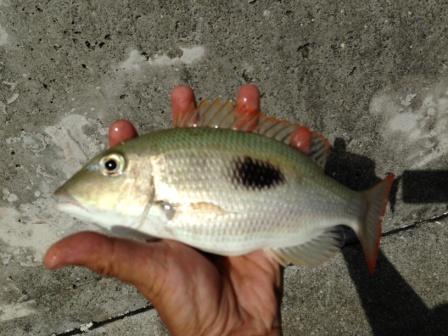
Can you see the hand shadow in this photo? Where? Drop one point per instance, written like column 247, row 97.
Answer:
column 392, row 307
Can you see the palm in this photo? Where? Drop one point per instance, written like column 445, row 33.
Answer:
column 198, row 294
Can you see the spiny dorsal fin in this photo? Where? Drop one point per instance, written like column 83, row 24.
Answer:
column 221, row 114
column 314, row 252
column 218, row 114
column 280, row 130
column 320, row 149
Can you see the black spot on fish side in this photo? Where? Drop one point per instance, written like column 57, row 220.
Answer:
column 256, row 174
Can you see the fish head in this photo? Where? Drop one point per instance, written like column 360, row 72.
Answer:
column 112, row 189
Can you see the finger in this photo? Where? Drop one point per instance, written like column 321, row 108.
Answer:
column 301, row 139
column 183, row 104
column 247, row 107
column 129, row 261
column 121, row 131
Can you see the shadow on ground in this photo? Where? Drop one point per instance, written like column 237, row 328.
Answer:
column 392, row 307
column 358, row 173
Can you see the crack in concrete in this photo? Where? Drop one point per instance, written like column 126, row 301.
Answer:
column 351, row 239
column 416, row 224
column 97, row 324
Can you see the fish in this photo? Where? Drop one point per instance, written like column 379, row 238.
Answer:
column 228, row 190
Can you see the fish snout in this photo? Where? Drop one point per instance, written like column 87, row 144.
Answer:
column 62, row 196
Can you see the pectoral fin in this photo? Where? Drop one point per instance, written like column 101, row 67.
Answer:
column 314, row 252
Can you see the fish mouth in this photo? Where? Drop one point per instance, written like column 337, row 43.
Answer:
column 64, row 199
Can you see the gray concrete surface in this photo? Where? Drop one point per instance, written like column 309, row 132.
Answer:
column 371, row 76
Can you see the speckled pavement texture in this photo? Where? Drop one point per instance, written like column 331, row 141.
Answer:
column 372, row 76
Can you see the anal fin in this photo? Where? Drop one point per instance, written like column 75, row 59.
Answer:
column 312, row 253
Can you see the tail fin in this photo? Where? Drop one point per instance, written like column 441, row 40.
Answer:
column 371, row 228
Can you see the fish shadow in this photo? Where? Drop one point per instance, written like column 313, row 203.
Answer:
column 424, row 186
column 358, row 173
column 352, row 170
column 391, row 305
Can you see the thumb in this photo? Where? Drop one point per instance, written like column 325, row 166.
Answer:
column 143, row 265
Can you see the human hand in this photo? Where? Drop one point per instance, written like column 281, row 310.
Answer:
column 194, row 293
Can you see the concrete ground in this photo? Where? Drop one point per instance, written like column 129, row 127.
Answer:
column 372, row 76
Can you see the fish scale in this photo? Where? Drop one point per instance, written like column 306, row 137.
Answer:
column 253, row 215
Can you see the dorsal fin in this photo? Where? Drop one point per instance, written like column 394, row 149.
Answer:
column 220, row 113
column 314, row 252
column 320, row 149
column 280, row 130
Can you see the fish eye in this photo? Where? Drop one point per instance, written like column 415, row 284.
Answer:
column 112, row 164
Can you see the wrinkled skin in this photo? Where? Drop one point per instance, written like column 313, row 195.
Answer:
column 194, row 293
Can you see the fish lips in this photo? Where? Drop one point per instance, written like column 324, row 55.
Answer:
column 65, row 200
column 68, row 204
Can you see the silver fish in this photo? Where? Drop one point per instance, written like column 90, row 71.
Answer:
column 227, row 191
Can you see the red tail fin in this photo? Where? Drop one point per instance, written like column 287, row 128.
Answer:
column 371, row 229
